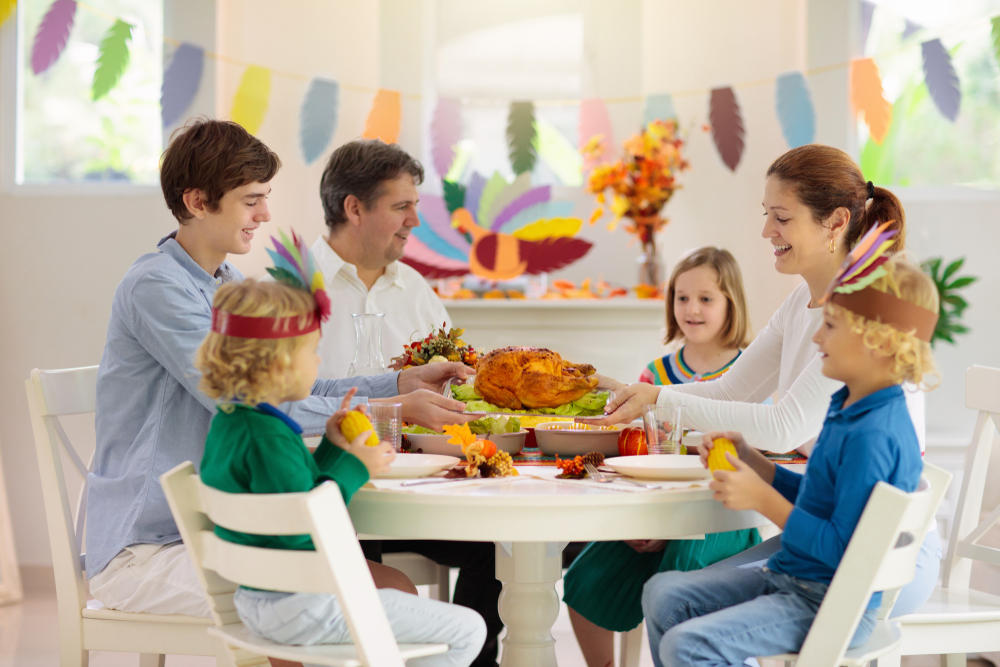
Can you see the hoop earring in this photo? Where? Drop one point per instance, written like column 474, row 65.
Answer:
column 833, row 248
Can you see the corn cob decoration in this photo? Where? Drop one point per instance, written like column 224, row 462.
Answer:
column 717, row 456
column 354, row 424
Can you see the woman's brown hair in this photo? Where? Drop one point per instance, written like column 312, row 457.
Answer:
column 825, row 178
column 736, row 333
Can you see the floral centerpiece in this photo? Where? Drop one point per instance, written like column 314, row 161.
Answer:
column 438, row 346
column 642, row 181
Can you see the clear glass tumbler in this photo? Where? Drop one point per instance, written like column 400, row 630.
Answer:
column 663, row 428
column 387, row 418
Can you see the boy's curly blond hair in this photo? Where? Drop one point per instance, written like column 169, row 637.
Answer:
column 246, row 370
column 913, row 360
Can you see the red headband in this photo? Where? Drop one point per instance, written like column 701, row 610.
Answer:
column 878, row 306
column 265, row 328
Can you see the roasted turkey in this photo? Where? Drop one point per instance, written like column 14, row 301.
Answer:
column 531, row 377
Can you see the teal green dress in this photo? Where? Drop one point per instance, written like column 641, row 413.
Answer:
column 604, row 584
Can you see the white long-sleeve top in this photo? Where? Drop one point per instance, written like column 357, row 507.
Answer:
column 782, row 360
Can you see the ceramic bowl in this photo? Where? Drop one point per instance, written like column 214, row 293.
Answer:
column 435, row 443
column 559, row 438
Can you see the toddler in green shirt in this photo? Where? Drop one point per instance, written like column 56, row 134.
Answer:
column 262, row 351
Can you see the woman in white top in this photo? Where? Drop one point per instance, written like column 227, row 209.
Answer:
column 817, row 205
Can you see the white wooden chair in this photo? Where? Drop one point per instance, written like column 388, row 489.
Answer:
column 336, row 567
column 957, row 619
column 87, row 625
column 881, row 556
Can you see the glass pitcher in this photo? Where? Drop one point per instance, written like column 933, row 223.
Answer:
column 368, row 358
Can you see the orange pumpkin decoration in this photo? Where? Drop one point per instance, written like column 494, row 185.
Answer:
column 489, row 449
column 632, row 442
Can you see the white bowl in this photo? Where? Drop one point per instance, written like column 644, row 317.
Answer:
column 418, row 465
column 437, row 443
column 556, row 438
column 662, row 466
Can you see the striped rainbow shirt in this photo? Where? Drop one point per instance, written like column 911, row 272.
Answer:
column 671, row 369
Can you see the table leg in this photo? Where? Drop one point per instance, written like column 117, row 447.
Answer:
column 529, row 605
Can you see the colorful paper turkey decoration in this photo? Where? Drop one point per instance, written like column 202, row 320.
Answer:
column 495, row 230
column 863, row 264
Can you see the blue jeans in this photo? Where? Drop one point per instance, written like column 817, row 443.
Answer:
column 304, row 619
column 911, row 597
column 724, row 616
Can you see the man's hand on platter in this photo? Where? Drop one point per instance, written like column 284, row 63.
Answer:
column 628, row 403
column 431, row 377
column 431, row 410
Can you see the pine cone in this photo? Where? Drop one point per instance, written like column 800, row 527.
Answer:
column 594, row 458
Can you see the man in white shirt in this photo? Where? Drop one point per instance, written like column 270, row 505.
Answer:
column 369, row 192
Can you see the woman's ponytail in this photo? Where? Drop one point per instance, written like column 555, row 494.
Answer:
column 883, row 207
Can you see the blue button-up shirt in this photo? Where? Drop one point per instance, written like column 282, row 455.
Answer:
column 150, row 414
column 870, row 441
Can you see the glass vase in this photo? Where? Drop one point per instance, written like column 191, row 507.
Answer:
column 650, row 268
column 368, row 358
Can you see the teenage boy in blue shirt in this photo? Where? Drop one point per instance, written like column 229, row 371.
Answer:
column 150, row 413
column 872, row 339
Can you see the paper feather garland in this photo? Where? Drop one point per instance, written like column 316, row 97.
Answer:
column 659, row 107
column 318, row 118
column 795, row 109
column 910, row 28
column 251, row 98
column 867, row 13
column 868, row 100
column 521, row 137
column 112, row 59
column 181, row 81
column 53, row 33
column 594, row 121
column 446, row 132
column 727, row 126
column 995, row 31
column 6, row 9
column 941, row 80
column 558, row 153
column 383, row 119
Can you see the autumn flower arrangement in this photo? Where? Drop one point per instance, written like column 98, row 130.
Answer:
column 642, row 181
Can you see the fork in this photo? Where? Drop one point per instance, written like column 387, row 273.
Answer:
column 600, row 477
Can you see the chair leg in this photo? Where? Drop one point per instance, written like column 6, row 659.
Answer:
column 631, row 647
column 444, row 583
column 888, row 660
column 953, row 660
column 152, row 660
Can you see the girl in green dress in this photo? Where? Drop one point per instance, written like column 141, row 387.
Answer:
column 706, row 309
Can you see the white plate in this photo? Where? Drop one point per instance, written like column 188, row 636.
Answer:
column 418, row 465
column 437, row 443
column 665, row 466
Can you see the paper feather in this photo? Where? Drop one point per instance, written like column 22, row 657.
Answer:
column 437, row 217
column 542, row 211
column 795, row 109
column 506, row 195
column 6, row 9
column 430, row 238
column 281, row 273
column 52, row 35
column 871, row 259
column 909, row 28
column 446, row 132
column 251, row 98
column 594, row 121
column 490, row 191
column 417, row 251
column 383, row 119
column 549, row 229
column 727, row 126
column 318, row 118
column 659, row 107
column 868, row 99
column 112, row 59
column 454, row 195
column 995, row 32
column 558, row 153
column 865, row 281
column 941, row 80
column 552, row 254
column 857, row 255
column 529, row 198
column 474, row 191
column 867, row 13
column 181, row 81
column 521, row 137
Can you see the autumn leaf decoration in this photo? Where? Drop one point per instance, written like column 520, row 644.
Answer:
column 727, row 126
column 112, row 60
column 868, row 99
column 521, row 137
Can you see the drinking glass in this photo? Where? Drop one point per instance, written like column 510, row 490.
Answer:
column 368, row 358
column 663, row 428
column 387, row 418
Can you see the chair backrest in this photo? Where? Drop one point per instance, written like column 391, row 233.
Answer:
column 51, row 395
column 337, row 567
column 982, row 393
column 881, row 555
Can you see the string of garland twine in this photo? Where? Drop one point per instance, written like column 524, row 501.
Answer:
column 626, row 99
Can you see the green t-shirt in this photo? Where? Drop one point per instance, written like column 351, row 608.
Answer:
column 259, row 450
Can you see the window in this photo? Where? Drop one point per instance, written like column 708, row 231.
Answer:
column 62, row 135
column 923, row 147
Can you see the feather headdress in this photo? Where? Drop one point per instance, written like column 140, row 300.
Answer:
column 294, row 266
column 863, row 264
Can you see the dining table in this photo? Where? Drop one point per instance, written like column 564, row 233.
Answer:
column 530, row 518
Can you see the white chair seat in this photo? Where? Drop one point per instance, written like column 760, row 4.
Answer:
column 335, row 655
column 886, row 637
column 948, row 606
column 96, row 609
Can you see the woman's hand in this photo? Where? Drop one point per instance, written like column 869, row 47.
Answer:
column 647, row 546
column 431, row 377
column 628, row 403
